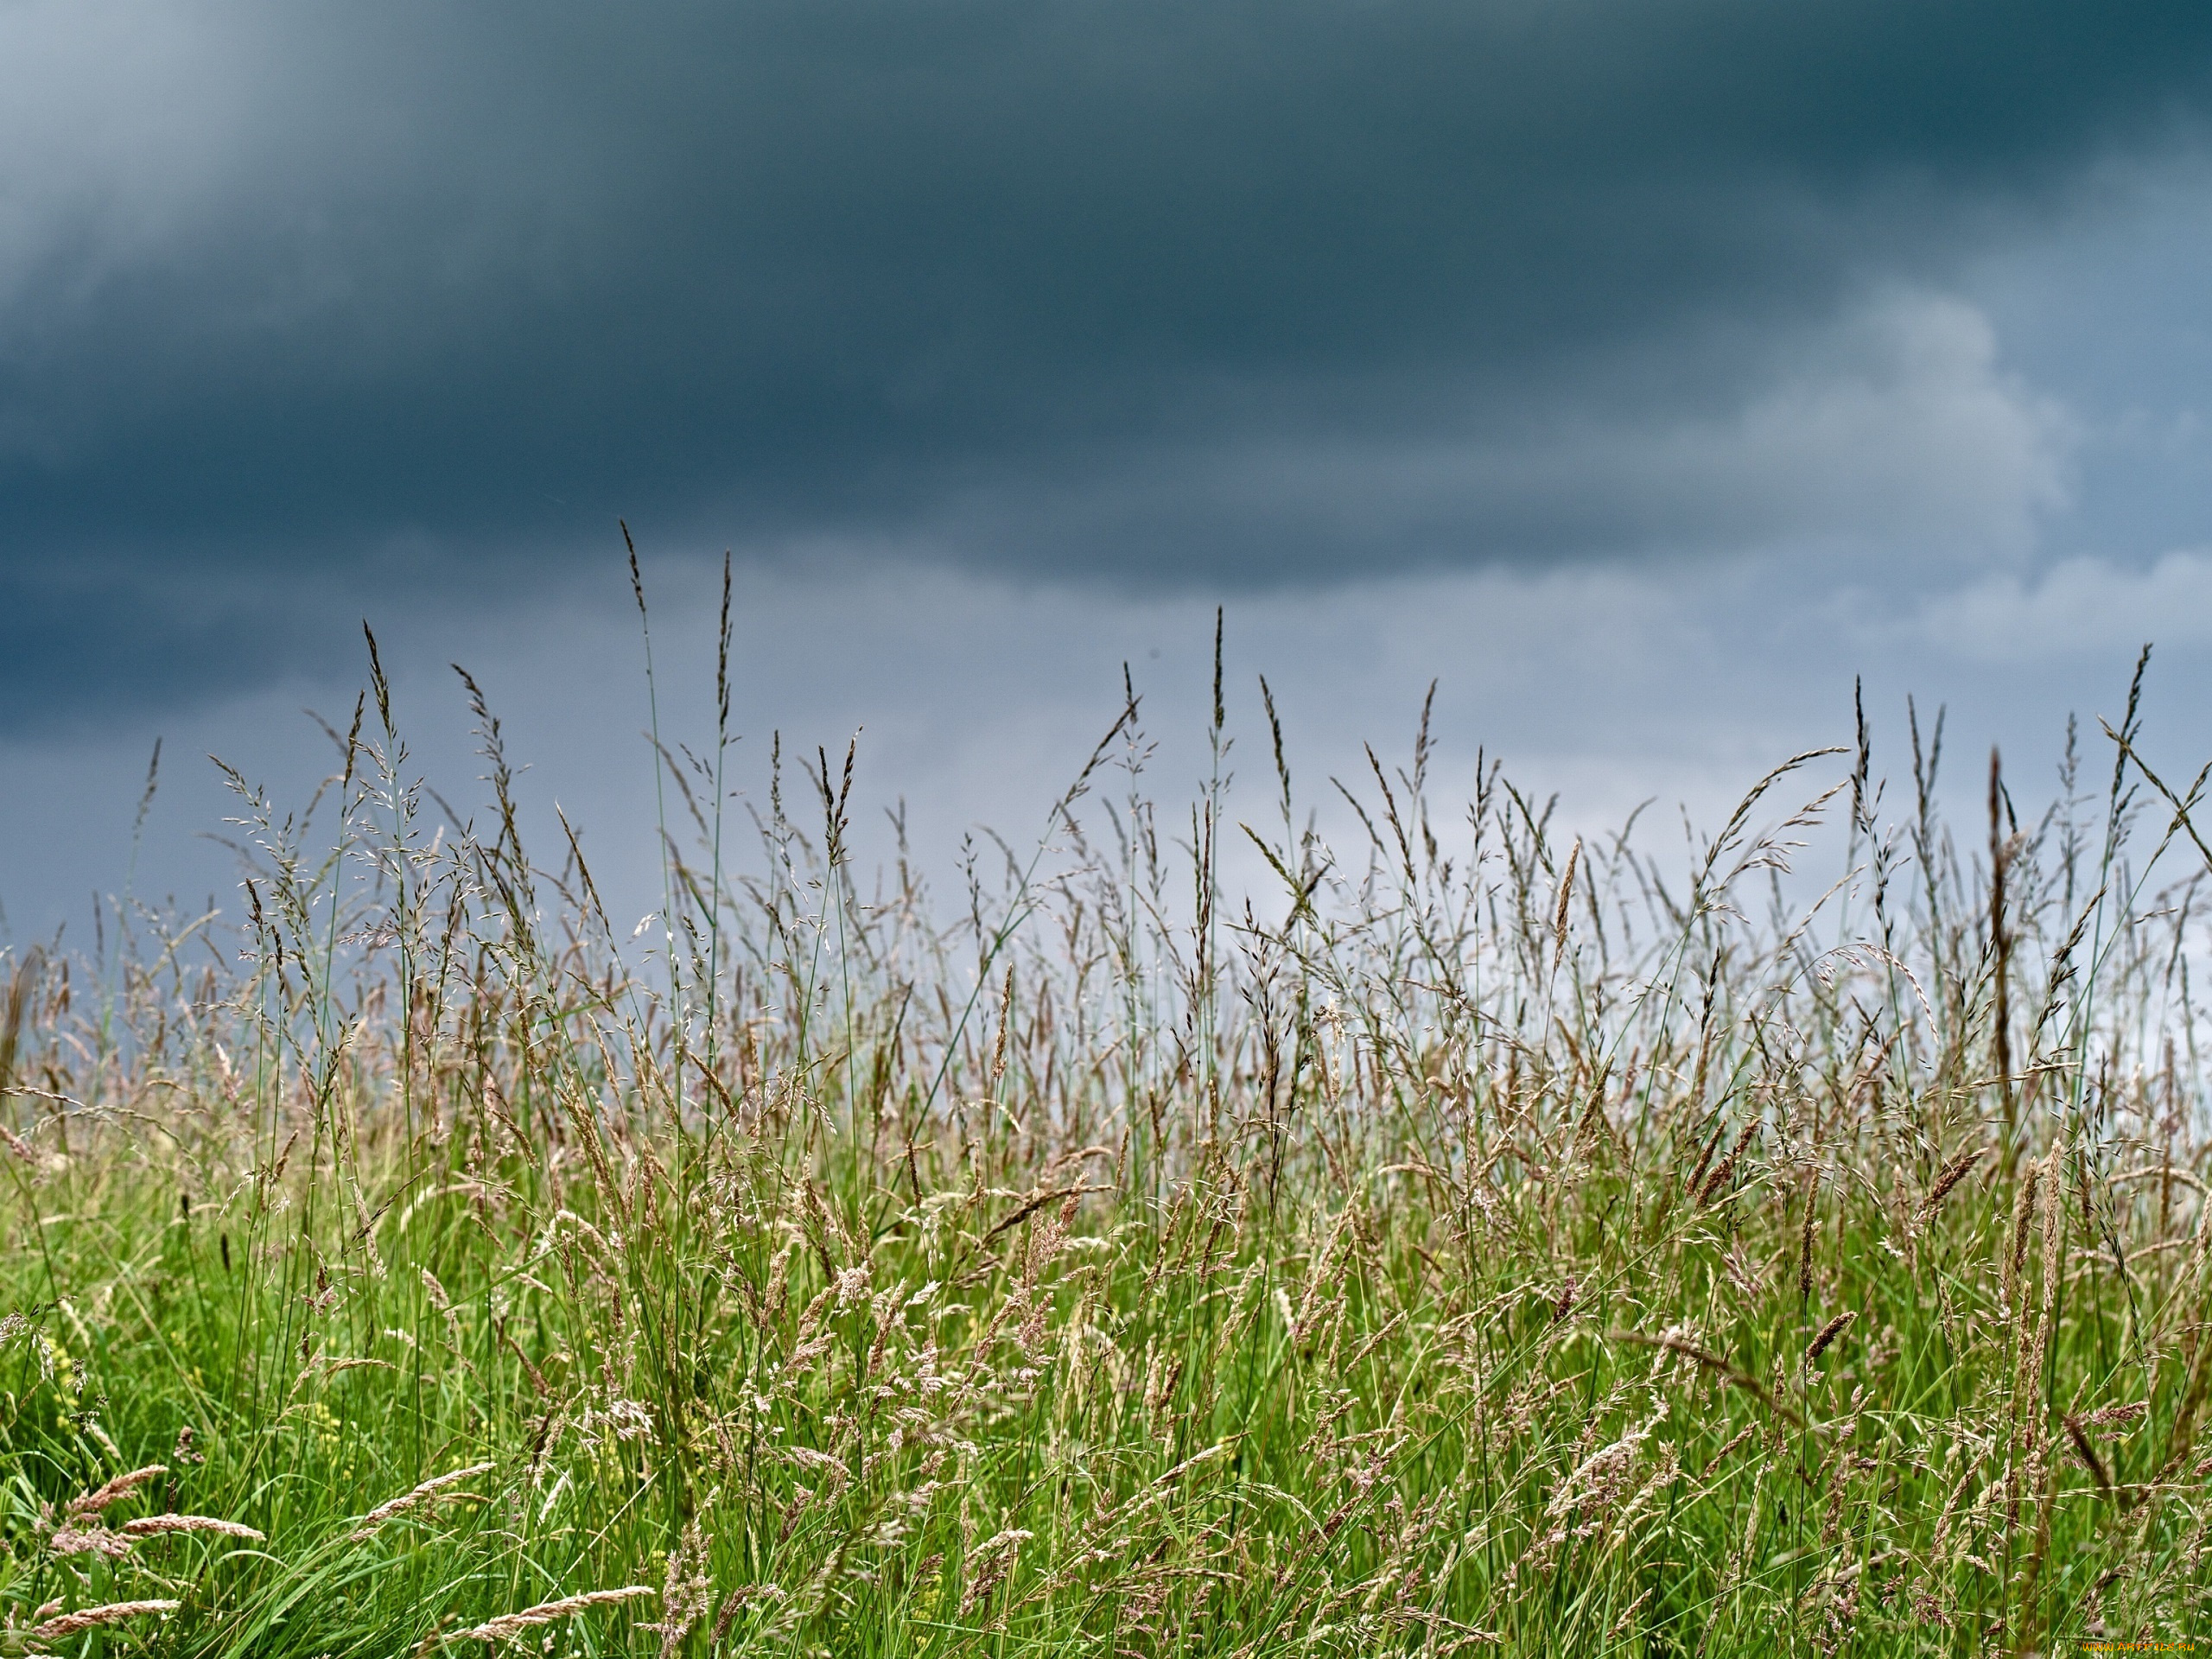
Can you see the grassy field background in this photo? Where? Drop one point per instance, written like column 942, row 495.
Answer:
column 1481, row 1240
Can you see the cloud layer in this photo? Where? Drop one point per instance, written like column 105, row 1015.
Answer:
column 415, row 298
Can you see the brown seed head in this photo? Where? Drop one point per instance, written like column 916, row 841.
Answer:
column 122, row 1486
column 1717, row 1183
column 1948, row 1177
column 91, row 1618
column 2088, row 1454
column 1828, row 1333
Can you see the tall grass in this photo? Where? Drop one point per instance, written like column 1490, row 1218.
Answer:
column 1468, row 1241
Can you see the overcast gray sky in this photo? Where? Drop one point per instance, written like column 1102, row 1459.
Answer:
column 1640, row 369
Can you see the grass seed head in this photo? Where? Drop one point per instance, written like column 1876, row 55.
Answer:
column 154, row 1526
column 429, row 1491
column 1948, row 1177
column 508, row 1626
column 1828, row 1332
column 93, row 1618
column 122, row 1486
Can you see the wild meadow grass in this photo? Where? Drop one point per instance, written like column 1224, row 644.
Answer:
column 1480, row 1239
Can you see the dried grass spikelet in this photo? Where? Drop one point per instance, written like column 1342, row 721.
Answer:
column 1948, row 1177
column 427, row 1492
column 2028, row 1600
column 1973, row 1469
column 1725, row 1171
column 95, row 1540
column 1805, row 1240
column 2054, row 1238
column 1597, row 1484
column 1674, row 1342
column 994, row 1560
column 152, row 1526
column 1747, row 1276
column 1565, row 900
column 2127, row 1415
column 1696, row 1182
column 2199, row 1273
column 738, row 1599
column 1828, row 1332
column 2016, row 1256
column 687, row 1593
column 509, row 1625
column 2088, row 1454
column 121, row 1487
column 1733, row 1442
column 91, row 1618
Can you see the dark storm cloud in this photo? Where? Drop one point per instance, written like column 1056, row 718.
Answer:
column 74, row 653
column 1074, row 287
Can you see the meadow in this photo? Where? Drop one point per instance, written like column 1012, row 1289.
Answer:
column 1786, row 1239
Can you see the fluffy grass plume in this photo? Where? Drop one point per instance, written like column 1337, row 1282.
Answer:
column 1471, row 1243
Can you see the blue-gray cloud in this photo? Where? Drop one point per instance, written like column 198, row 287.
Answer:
column 1247, row 291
